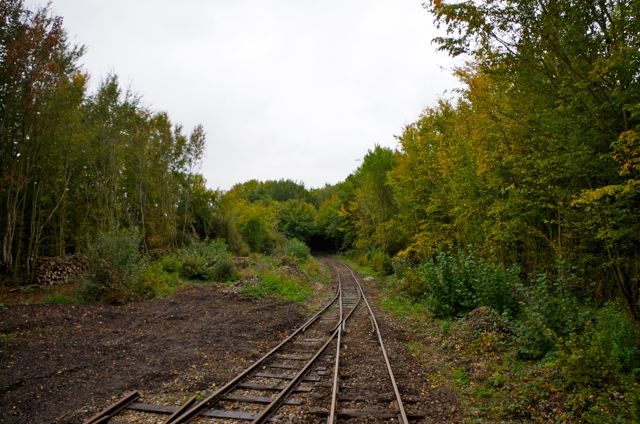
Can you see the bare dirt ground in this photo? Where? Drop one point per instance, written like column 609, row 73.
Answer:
column 63, row 363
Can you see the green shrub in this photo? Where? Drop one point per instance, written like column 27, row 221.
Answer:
column 598, row 368
column 380, row 262
column 114, row 262
column 549, row 314
column 534, row 339
column 454, row 284
column 297, row 249
column 155, row 281
column 257, row 234
column 413, row 285
column 170, row 263
column 207, row 260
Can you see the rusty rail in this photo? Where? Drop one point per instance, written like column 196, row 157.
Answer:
column 347, row 299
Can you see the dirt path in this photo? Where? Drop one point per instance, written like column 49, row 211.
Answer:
column 62, row 363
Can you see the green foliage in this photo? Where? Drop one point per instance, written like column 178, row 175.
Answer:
column 279, row 286
column 256, row 233
column 454, row 284
column 598, row 366
column 412, row 283
column 549, row 314
column 157, row 281
column 369, row 214
column 461, row 375
column 62, row 299
column 207, row 260
column 114, row 264
column 297, row 219
column 270, row 191
column 297, row 249
column 380, row 262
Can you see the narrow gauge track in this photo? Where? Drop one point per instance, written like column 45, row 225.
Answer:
column 334, row 366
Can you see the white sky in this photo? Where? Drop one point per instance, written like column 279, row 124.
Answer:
column 294, row 89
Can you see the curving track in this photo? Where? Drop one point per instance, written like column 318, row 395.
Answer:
column 334, row 367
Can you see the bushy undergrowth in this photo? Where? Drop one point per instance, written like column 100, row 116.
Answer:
column 296, row 249
column 564, row 358
column 599, row 367
column 286, row 276
column 454, row 284
column 114, row 264
column 207, row 260
column 375, row 260
column 548, row 315
column 155, row 281
column 119, row 273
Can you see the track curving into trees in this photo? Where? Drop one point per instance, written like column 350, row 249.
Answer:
column 333, row 367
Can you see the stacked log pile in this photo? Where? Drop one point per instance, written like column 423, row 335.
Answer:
column 60, row 269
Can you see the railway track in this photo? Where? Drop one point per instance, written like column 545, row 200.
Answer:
column 332, row 368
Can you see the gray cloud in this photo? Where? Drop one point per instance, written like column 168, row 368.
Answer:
column 284, row 88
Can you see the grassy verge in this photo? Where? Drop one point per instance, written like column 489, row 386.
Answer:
column 284, row 277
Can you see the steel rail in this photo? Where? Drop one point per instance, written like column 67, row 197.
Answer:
column 195, row 410
column 337, row 332
column 266, row 412
column 336, row 378
column 103, row 416
column 336, row 367
column 402, row 415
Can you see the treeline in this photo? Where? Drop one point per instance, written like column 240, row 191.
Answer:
column 75, row 164
column 521, row 197
column 521, row 194
column 535, row 163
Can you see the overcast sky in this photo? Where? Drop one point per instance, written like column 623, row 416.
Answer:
column 293, row 89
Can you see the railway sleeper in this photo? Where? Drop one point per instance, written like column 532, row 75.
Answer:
column 286, row 377
column 208, row 413
column 272, row 388
column 294, row 357
column 265, row 400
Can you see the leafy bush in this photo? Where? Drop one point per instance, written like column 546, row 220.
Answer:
column 598, row 366
column 156, row 281
column 454, row 284
column 380, row 262
column 114, row 262
column 170, row 263
column 205, row 261
column 412, row 285
column 257, row 234
column 549, row 314
column 297, row 249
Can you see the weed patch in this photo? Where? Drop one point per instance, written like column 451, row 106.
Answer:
column 62, row 299
column 285, row 288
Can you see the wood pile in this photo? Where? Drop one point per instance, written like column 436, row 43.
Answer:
column 241, row 262
column 59, row 269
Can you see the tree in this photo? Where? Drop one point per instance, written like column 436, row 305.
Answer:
column 37, row 70
column 297, row 219
column 612, row 219
column 565, row 77
column 373, row 206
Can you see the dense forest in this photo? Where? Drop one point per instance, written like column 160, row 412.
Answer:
column 74, row 164
column 521, row 193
